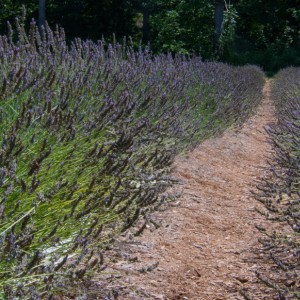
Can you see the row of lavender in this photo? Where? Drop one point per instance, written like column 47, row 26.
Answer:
column 88, row 135
column 280, row 192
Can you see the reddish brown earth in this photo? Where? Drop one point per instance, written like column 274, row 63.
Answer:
column 203, row 246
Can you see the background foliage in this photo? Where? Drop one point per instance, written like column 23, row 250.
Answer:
column 268, row 33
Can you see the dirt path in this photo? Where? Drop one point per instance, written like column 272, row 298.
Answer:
column 205, row 238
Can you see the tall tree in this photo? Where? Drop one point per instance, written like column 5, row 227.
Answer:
column 219, row 18
column 42, row 13
column 146, row 9
column 146, row 15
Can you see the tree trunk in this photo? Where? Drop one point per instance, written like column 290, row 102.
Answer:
column 42, row 13
column 145, row 24
column 219, row 18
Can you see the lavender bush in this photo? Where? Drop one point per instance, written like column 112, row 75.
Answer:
column 88, row 134
column 279, row 191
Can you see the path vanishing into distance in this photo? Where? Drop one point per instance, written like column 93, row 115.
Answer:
column 205, row 246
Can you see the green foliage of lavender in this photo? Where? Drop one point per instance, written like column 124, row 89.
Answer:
column 88, row 134
column 280, row 190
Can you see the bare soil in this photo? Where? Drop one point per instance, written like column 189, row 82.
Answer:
column 206, row 247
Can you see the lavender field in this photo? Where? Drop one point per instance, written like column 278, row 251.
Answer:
column 88, row 133
column 279, row 190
